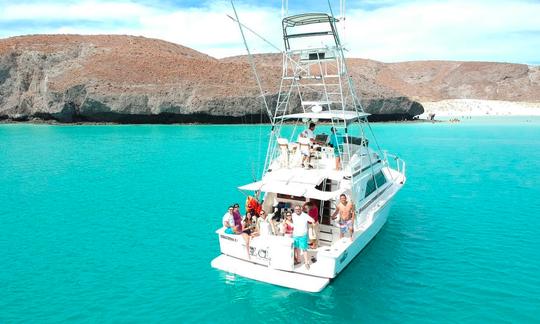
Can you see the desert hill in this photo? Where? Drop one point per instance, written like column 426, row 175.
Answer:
column 130, row 79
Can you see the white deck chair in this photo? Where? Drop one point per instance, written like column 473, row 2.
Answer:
column 284, row 150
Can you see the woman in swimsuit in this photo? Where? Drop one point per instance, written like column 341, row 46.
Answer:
column 248, row 225
column 288, row 225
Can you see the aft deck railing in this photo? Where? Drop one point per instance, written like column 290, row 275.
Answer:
column 399, row 164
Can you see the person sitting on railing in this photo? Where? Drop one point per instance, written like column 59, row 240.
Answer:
column 237, row 219
column 248, row 225
column 336, row 141
column 248, row 230
column 228, row 221
column 232, row 221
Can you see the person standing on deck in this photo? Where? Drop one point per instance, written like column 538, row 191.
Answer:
column 300, row 234
column 336, row 141
column 265, row 226
column 313, row 232
column 307, row 135
column 346, row 216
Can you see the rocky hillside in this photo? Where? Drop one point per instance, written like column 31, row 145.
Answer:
column 126, row 79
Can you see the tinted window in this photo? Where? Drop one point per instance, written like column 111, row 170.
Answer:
column 370, row 186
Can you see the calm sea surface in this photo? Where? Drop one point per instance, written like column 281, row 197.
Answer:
column 116, row 224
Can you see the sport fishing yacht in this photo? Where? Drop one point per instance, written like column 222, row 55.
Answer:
column 324, row 93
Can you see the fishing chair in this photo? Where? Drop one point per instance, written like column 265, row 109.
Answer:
column 284, row 150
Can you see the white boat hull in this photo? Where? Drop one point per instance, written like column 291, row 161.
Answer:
column 271, row 258
column 269, row 275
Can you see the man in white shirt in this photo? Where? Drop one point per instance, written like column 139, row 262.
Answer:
column 300, row 234
column 228, row 221
column 306, row 139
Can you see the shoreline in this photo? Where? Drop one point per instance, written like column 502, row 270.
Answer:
column 445, row 109
column 478, row 107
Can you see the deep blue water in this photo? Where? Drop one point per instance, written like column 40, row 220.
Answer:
column 115, row 224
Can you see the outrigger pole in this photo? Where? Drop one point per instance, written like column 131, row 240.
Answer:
column 253, row 66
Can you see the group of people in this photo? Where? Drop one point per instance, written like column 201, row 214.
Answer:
column 308, row 135
column 294, row 225
column 301, row 224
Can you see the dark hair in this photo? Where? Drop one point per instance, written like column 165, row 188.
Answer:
column 343, row 195
column 249, row 220
column 311, row 125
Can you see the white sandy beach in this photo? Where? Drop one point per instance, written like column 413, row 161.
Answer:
column 475, row 107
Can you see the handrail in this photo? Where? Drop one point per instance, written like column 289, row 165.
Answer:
column 399, row 163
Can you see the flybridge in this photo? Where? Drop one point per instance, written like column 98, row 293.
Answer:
column 347, row 116
column 326, row 28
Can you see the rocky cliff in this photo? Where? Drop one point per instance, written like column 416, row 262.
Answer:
column 71, row 78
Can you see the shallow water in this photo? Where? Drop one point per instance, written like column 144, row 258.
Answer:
column 115, row 224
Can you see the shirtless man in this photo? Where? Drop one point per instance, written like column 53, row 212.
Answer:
column 346, row 216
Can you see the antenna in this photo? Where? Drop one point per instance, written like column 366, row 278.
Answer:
column 284, row 8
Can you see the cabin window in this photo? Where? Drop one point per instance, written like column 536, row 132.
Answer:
column 316, row 56
column 379, row 178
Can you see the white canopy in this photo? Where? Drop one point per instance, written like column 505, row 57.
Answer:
column 293, row 189
column 327, row 115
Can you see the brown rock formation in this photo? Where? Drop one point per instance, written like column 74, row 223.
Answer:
column 134, row 79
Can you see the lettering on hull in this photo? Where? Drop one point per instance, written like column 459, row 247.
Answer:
column 225, row 237
column 259, row 253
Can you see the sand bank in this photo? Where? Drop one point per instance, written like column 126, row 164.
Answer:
column 475, row 107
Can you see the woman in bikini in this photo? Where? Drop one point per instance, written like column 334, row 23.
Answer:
column 288, row 225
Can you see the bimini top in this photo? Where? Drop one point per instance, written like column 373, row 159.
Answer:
column 327, row 115
column 307, row 19
column 296, row 183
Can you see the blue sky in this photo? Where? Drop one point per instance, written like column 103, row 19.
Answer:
column 384, row 30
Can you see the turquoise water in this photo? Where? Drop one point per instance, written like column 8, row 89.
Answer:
column 115, row 224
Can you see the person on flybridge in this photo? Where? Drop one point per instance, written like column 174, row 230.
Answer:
column 306, row 139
